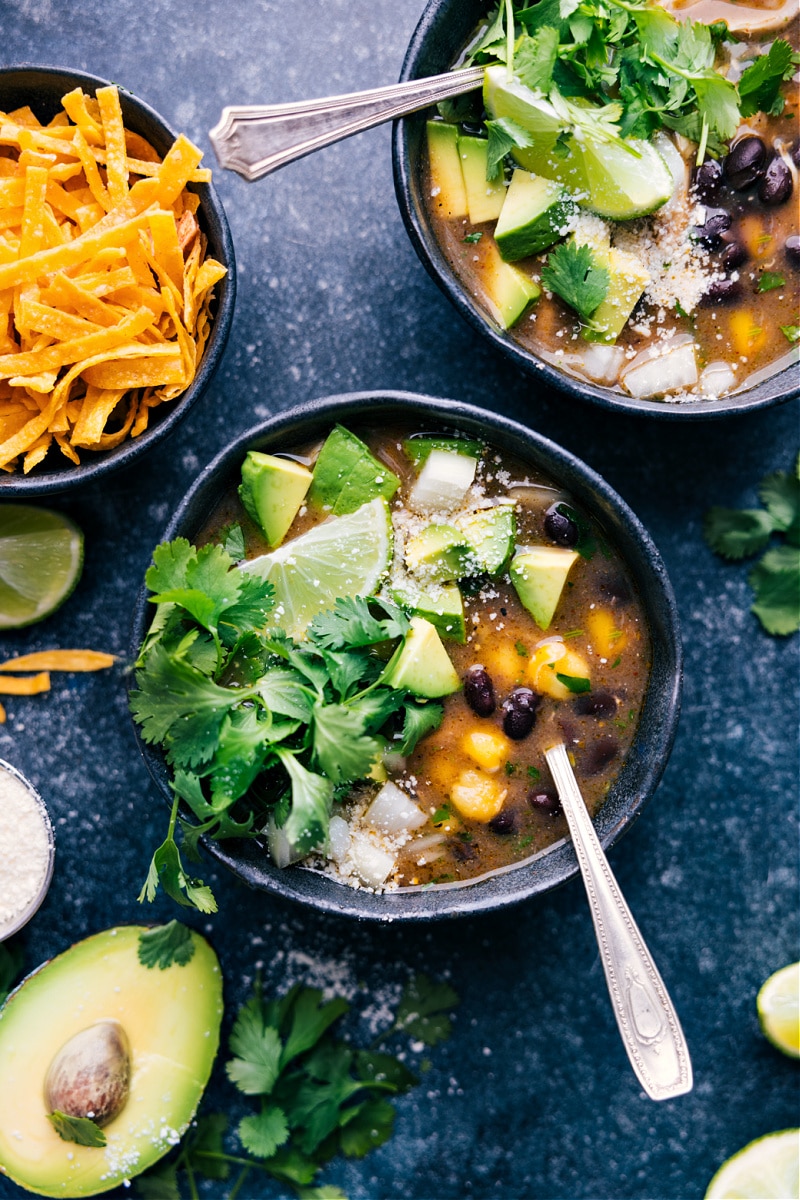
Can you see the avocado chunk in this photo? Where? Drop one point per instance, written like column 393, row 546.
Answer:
column 347, row 474
column 442, row 606
column 439, row 554
column 421, row 664
column 627, row 279
column 535, row 215
column 272, row 491
column 418, row 449
column 509, row 291
column 447, row 181
column 490, row 534
column 171, row 1019
column 443, row 482
column 539, row 575
column 484, row 199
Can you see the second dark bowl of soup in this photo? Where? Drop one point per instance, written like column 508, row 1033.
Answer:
column 469, row 820
column 730, row 351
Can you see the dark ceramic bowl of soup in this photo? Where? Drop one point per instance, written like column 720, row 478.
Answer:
column 137, row 422
column 738, row 343
column 604, row 675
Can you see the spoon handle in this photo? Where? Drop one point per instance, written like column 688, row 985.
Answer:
column 648, row 1023
column 256, row 139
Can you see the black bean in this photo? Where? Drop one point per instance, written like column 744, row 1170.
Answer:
column 519, row 713
column 717, row 221
column 707, row 179
column 791, row 249
column 560, row 527
column 795, row 153
column 616, row 588
column 505, row 822
column 746, row 163
column 595, row 704
column 776, row 186
column 722, row 291
column 479, row 691
column 545, row 802
column 734, row 255
column 463, row 851
column 600, row 754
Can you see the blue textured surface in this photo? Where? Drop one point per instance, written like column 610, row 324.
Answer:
column 532, row 1096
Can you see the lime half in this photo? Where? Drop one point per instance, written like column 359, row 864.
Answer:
column 766, row 1169
column 778, row 1005
column 615, row 181
column 344, row 556
column 41, row 558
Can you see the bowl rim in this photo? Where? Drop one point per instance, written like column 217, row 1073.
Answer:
column 98, row 464
column 779, row 388
column 645, row 762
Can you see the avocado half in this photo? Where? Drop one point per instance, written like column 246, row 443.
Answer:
column 172, row 1020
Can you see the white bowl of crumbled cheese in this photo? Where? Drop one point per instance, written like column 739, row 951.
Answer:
column 27, row 849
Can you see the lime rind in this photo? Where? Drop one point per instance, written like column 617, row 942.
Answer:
column 41, row 559
column 765, row 1169
column 778, row 1007
column 343, row 557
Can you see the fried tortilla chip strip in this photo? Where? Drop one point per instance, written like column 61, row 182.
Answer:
column 29, row 685
column 60, row 660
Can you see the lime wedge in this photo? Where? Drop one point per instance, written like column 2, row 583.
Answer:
column 41, row 558
column 778, row 1005
column 613, row 181
column 344, row 556
column 766, row 1169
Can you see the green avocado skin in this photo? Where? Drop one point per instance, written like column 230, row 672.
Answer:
column 418, row 449
column 347, row 475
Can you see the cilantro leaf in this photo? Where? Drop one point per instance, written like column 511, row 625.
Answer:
column 351, row 624
column 200, row 581
column 535, row 58
column 737, row 533
column 776, row 582
column 424, row 1010
column 791, row 333
column 204, row 1149
column 262, row 1133
column 80, row 1130
column 166, row 869
column 286, row 692
column 309, row 1021
column 232, row 539
column 769, row 280
column 342, row 750
column 306, row 826
column 572, row 273
column 159, row 1183
column 367, row 1126
column 166, row 944
column 780, row 493
column 257, row 1050
column 760, row 83
column 419, row 719
column 574, row 683
column 504, row 135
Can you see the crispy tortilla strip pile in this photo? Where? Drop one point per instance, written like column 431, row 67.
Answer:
column 43, row 662
column 104, row 284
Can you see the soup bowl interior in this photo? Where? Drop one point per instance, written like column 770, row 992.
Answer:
column 649, row 752
column 42, row 88
column 443, row 30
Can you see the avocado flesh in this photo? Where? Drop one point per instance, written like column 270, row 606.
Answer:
column 448, row 193
column 484, row 199
column 627, row 279
column 509, row 291
column 172, row 1020
column 442, row 606
column 490, row 534
column 272, row 490
column 539, row 575
column 534, row 216
column 347, row 475
column 439, row 554
column 421, row 664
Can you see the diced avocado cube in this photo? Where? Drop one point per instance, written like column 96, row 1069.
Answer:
column 442, row 606
column 347, row 475
column 491, row 534
column 421, row 664
column 418, row 449
column 439, row 554
column 509, row 291
column 539, row 575
column 627, row 279
column 448, row 194
column 484, row 199
column 443, row 482
column 535, row 215
column 272, row 491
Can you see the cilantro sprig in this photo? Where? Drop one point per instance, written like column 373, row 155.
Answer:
column 736, row 534
column 572, row 272
column 260, row 730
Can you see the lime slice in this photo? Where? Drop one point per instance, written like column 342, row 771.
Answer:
column 607, row 178
column 778, row 1005
column 41, row 558
column 766, row 1169
column 344, row 556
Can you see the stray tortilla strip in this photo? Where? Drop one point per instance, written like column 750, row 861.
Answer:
column 2, row 715
column 60, row 660
column 29, row 686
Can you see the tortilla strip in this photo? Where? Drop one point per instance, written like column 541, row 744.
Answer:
column 116, row 153
column 60, row 660
column 77, row 348
column 27, row 686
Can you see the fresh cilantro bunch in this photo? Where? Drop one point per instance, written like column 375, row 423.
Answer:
column 316, row 1095
column 740, row 533
column 260, row 731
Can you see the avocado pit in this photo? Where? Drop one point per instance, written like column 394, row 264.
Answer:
column 90, row 1074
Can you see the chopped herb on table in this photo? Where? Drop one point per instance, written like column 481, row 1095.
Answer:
column 316, row 1095
column 740, row 533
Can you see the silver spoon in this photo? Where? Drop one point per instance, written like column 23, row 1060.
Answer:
column 648, row 1023
column 255, row 139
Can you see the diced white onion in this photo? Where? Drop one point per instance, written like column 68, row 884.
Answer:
column 338, row 839
column 373, row 865
column 282, row 851
column 603, row 363
column 428, row 849
column 392, row 811
column 672, row 372
column 443, row 482
column 717, row 379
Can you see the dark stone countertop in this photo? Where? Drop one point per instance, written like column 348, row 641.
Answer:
column 532, row 1096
